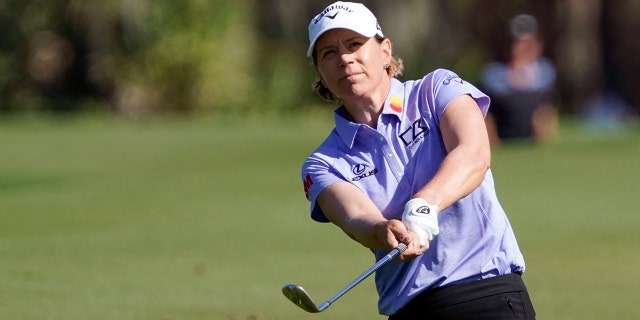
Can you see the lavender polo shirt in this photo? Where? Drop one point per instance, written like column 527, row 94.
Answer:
column 389, row 164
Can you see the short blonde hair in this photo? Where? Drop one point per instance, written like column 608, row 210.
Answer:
column 395, row 69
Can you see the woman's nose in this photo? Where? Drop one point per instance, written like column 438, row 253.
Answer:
column 346, row 57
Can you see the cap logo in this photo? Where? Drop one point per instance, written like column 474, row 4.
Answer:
column 333, row 16
column 326, row 11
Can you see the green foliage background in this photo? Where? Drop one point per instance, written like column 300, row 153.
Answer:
column 143, row 58
column 137, row 57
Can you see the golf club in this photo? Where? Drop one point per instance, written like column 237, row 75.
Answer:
column 301, row 298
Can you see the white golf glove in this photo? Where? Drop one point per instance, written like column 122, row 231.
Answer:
column 422, row 218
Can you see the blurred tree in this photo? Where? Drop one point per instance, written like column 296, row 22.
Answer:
column 141, row 57
column 184, row 56
column 284, row 76
column 578, row 58
column 41, row 58
column 621, row 49
column 596, row 51
column 134, row 56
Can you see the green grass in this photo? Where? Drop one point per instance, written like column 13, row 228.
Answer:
column 107, row 219
column 574, row 210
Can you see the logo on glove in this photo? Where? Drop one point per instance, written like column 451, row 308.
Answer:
column 423, row 210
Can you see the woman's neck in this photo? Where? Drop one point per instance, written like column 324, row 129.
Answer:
column 367, row 109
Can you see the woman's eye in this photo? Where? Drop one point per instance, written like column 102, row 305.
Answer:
column 327, row 53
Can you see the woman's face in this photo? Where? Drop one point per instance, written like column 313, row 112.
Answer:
column 352, row 65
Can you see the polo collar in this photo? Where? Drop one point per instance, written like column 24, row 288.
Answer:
column 393, row 105
column 346, row 129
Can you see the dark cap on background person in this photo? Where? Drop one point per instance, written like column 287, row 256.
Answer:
column 522, row 25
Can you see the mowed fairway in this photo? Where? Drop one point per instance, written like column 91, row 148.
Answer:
column 206, row 219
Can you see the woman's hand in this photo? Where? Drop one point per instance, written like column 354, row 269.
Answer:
column 396, row 232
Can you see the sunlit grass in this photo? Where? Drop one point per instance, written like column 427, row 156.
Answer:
column 206, row 219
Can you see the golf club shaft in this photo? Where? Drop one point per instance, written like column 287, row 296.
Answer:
column 399, row 249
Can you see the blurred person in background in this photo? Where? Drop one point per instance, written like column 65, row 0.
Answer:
column 522, row 90
column 409, row 162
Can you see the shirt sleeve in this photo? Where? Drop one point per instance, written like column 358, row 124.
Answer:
column 317, row 175
column 445, row 86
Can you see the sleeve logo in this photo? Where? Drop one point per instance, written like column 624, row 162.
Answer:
column 452, row 77
column 307, row 183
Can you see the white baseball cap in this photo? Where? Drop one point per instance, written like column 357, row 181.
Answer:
column 345, row 15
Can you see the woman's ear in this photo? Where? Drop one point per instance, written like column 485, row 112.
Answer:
column 387, row 50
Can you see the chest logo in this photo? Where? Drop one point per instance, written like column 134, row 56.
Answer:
column 414, row 134
column 362, row 171
column 395, row 102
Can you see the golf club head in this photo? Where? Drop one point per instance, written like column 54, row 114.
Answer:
column 301, row 298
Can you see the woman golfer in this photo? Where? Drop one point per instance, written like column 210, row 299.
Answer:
column 410, row 162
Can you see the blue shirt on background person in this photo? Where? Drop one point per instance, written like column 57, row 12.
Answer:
column 522, row 89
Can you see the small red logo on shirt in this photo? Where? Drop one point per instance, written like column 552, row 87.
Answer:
column 395, row 103
column 307, row 182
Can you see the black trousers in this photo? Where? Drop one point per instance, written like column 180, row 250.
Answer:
column 497, row 298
